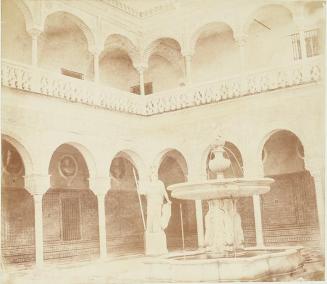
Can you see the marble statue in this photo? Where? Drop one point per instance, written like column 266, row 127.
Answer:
column 234, row 224
column 215, row 235
column 158, row 215
column 224, row 231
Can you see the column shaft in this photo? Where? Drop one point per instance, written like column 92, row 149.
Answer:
column 188, row 71
column 142, row 90
column 34, row 49
column 320, row 197
column 102, row 225
column 38, row 229
column 96, row 67
column 199, row 222
column 258, row 220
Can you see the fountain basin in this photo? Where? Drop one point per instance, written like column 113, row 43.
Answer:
column 221, row 188
column 256, row 264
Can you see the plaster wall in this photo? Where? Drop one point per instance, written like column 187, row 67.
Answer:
column 118, row 72
column 190, row 130
column 63, row 45
column 163, row 74
column 216, row 56
column 16, row 43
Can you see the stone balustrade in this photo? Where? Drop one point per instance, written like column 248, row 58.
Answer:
column 27, row 78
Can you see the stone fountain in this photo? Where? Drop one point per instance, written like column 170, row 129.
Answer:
column 224, row 257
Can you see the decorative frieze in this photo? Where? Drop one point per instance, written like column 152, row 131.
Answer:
column 51, row 84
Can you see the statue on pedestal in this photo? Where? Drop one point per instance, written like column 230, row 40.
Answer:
column 158, row 215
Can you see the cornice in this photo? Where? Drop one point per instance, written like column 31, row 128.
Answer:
column 120, row 5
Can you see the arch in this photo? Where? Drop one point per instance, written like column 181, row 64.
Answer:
column 134, row 159
column 313, row 6
column 248, row 20
column 27, row 13
column 270, row 134
column 207, row 150
column 293, row 190
column 216, row 26
column 118, row 41
column 175, row 154
column 85, row 153
column 163, row 35
column 23, row 152
column 90, row 38
column 158, row 43
column 288, row 145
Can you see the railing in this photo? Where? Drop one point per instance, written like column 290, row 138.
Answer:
column 48, row 83
column 233, row 87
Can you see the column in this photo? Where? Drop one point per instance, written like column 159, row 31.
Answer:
column 318, row 176
column 258, row 220
column 102, row 225
column 196, row 176
column 141, row 69
column 37, row 185
column 255, row 170
column 100, row 186
column 38, row 229
column 320, row 197
column 188, row 68
column 35, row 35
column 199, row 222
column 96, row 66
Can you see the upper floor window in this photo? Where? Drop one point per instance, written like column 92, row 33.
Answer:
column 296, row 46
column 312, row 42
column 147, row 89
column 73, row 74
column 311, row 39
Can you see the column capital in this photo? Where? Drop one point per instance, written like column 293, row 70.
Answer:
column 241, row 38
column 187, row 53
column 34, row 32
column 141, row 67
column 37, row 184
column 100, row 185
column 95, row 50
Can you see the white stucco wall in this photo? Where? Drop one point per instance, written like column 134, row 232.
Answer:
column 118, row 72
column 43, row 123
column 215, row 56
column 63, row 45
column 163, row 74
column 16, row 43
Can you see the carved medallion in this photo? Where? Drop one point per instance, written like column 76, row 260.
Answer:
column 68, row 167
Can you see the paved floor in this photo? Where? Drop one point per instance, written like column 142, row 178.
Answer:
column 126, row 270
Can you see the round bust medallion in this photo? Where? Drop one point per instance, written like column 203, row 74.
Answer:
column 68, row 166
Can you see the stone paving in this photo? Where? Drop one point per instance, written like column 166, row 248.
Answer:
column 125, row 270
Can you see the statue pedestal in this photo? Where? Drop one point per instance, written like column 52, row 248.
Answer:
column 155, row 243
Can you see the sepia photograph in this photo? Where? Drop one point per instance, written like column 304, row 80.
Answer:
column 162, row 141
